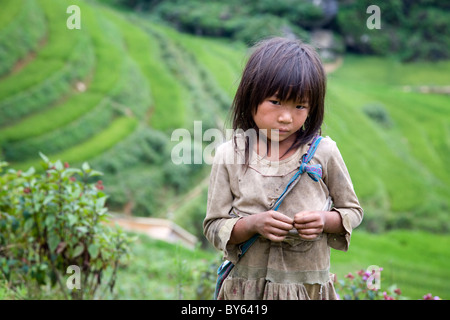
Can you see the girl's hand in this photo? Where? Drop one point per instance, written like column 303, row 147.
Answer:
column 309, row 224
column 272, row 225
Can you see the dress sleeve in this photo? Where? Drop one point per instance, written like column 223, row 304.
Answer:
column 345, row 201
column 219, row 220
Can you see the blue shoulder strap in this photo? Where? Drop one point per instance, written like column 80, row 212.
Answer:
column 314, row 171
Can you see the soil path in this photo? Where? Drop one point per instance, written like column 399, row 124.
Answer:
column 332, row 66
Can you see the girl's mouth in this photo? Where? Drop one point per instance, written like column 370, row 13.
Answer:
column 283, row 131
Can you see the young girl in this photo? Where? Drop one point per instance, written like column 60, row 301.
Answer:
column 281, row 98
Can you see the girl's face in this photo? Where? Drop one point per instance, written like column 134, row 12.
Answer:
column 281, row 119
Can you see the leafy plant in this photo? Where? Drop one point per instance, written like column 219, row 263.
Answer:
column 52, row 221
column 377, row 112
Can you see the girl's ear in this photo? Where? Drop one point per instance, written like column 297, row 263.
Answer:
column 306, row 120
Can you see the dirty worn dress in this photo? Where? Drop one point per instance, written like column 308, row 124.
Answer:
column 294, row 268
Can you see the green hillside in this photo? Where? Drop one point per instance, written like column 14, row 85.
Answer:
column 395, row 140
column 112, row 93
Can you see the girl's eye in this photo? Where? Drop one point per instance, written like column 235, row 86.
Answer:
column 276, row 102
column 300, row 107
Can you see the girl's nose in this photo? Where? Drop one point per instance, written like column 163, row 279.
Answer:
column 285, row 116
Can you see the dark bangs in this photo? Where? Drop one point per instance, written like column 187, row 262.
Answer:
column 289, row 69
column 288, row 80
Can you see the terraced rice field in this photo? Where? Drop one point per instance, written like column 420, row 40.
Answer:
column 112, row 92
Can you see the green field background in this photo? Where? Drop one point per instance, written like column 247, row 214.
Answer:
column 112, row 92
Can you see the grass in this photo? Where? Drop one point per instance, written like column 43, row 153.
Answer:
column 118, row 130
column 143, row 48
column 208, row 51
column 401, row 168
column 10, row 10
column 107, row 50
column 27, row 27
column 417, row 262
column 50, row 58
column 64, row 137
column 158, row 270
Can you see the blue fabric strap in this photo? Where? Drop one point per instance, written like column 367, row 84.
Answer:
column 313, row 170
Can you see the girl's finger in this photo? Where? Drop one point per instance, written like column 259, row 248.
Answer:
column 307, row 216
column 309, row 236
column 278, row 232
column 282, row 217
column 281, row 225
column 275, row 238
column 309, row 231
column 308, row 225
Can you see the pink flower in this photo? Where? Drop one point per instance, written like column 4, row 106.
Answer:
column 428, row 296
column 386, row 297
column 99, row 185
column 350, row 276
column 366, row 276
column 398, row 291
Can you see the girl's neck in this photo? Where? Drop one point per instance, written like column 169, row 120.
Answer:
column 276, row 150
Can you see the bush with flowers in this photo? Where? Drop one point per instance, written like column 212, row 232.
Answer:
column 51, row 221
column 362, row 286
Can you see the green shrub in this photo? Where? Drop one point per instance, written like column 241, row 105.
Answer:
column 378, row 113
column 52, row 221
column 256, row 28
column 412, row 30
column 144, row 145
column 430, row 40
column 141, row 187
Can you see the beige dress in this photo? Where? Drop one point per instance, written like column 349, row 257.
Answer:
column 294, row 268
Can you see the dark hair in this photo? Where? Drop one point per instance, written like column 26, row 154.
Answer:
column 288, row 68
